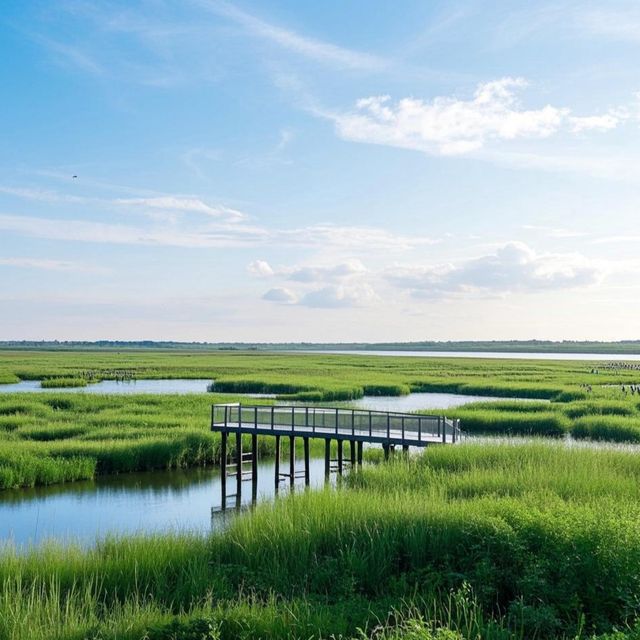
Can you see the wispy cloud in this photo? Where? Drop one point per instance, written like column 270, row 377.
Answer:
column 234, row 233
column 50, row 265
column 183, row 204
column 312, row 48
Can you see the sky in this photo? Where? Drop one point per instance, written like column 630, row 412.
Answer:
column 345, row 170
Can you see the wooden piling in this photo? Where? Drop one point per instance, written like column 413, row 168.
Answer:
column 238, row 466
column 385, row 447
column 327, row 459
column 359, row 453
column 307, row 471
column 340, row 461
column 352, row 453
column 292, row 460
column 277, row 473
column 254, row 467
column 223, row 469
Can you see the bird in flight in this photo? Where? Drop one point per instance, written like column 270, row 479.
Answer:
column 74, row 177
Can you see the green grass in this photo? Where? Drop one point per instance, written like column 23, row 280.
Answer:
column 132, row 433
column 475, row 541
column 57, row 383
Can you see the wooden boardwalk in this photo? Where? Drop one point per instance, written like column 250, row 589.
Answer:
column 354, row 426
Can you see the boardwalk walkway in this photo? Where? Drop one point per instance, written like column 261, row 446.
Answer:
column 354, row 426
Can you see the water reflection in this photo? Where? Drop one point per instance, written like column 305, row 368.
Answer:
column 130, row 503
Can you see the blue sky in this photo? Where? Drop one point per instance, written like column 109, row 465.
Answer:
column 275, row 171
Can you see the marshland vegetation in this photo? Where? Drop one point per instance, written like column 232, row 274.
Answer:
column 524, row 539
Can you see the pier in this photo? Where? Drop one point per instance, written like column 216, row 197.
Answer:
column 355, row 427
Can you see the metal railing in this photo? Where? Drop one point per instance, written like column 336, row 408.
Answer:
column 340, row 422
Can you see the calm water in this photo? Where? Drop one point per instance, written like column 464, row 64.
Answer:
column 489, row 354
column 418, row 401
column 130, row 503
column 158, row 501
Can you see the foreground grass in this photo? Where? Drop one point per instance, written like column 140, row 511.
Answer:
column 473, row 541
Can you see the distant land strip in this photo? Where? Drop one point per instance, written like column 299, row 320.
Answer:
column 621, row 347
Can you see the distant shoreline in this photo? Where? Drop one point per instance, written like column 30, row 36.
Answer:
column 625, row 347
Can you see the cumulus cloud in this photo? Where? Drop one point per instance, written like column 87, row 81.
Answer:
column 307, row 274
column 514, row 267
column 280, row 295
column 260, row 268
column 340, row 296
column 450, row 126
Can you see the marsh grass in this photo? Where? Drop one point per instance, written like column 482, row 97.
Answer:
column 56, row 383
column 494, row 541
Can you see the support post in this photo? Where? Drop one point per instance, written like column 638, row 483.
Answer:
column 327, row 459
column 352, row 452
column 277, row 473
column 254, row 466
column 307, row 473
column 359, row 455
column 238, row 465
column 405, row 449
column 385, row 447
column 223, row 469
column 340, row 443
column 292, row 460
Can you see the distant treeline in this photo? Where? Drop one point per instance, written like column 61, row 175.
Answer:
column 521, row 346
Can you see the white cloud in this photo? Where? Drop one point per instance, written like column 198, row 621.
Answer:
column 48, row 265
column 308, row 274
column 280, row 295
column 340, row 296
column 451, row 126
column 311, row 48
column 514, row 267
column 183, row 204
column 604, row 122
column 223, row 233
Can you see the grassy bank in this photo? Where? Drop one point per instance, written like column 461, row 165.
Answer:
column 482, row 541
column 328, row 376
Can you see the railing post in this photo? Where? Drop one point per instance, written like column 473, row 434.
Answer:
column 402, row 429
column 369, row 423
column 419, row 429
column 388, row 426
column 255, row 418
column 226, row 416
column 239, row 415
column 213, row 416
column 272, row 417
column 353, row 422
column 337, row 410
column 444, row 429
column 293, row 418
